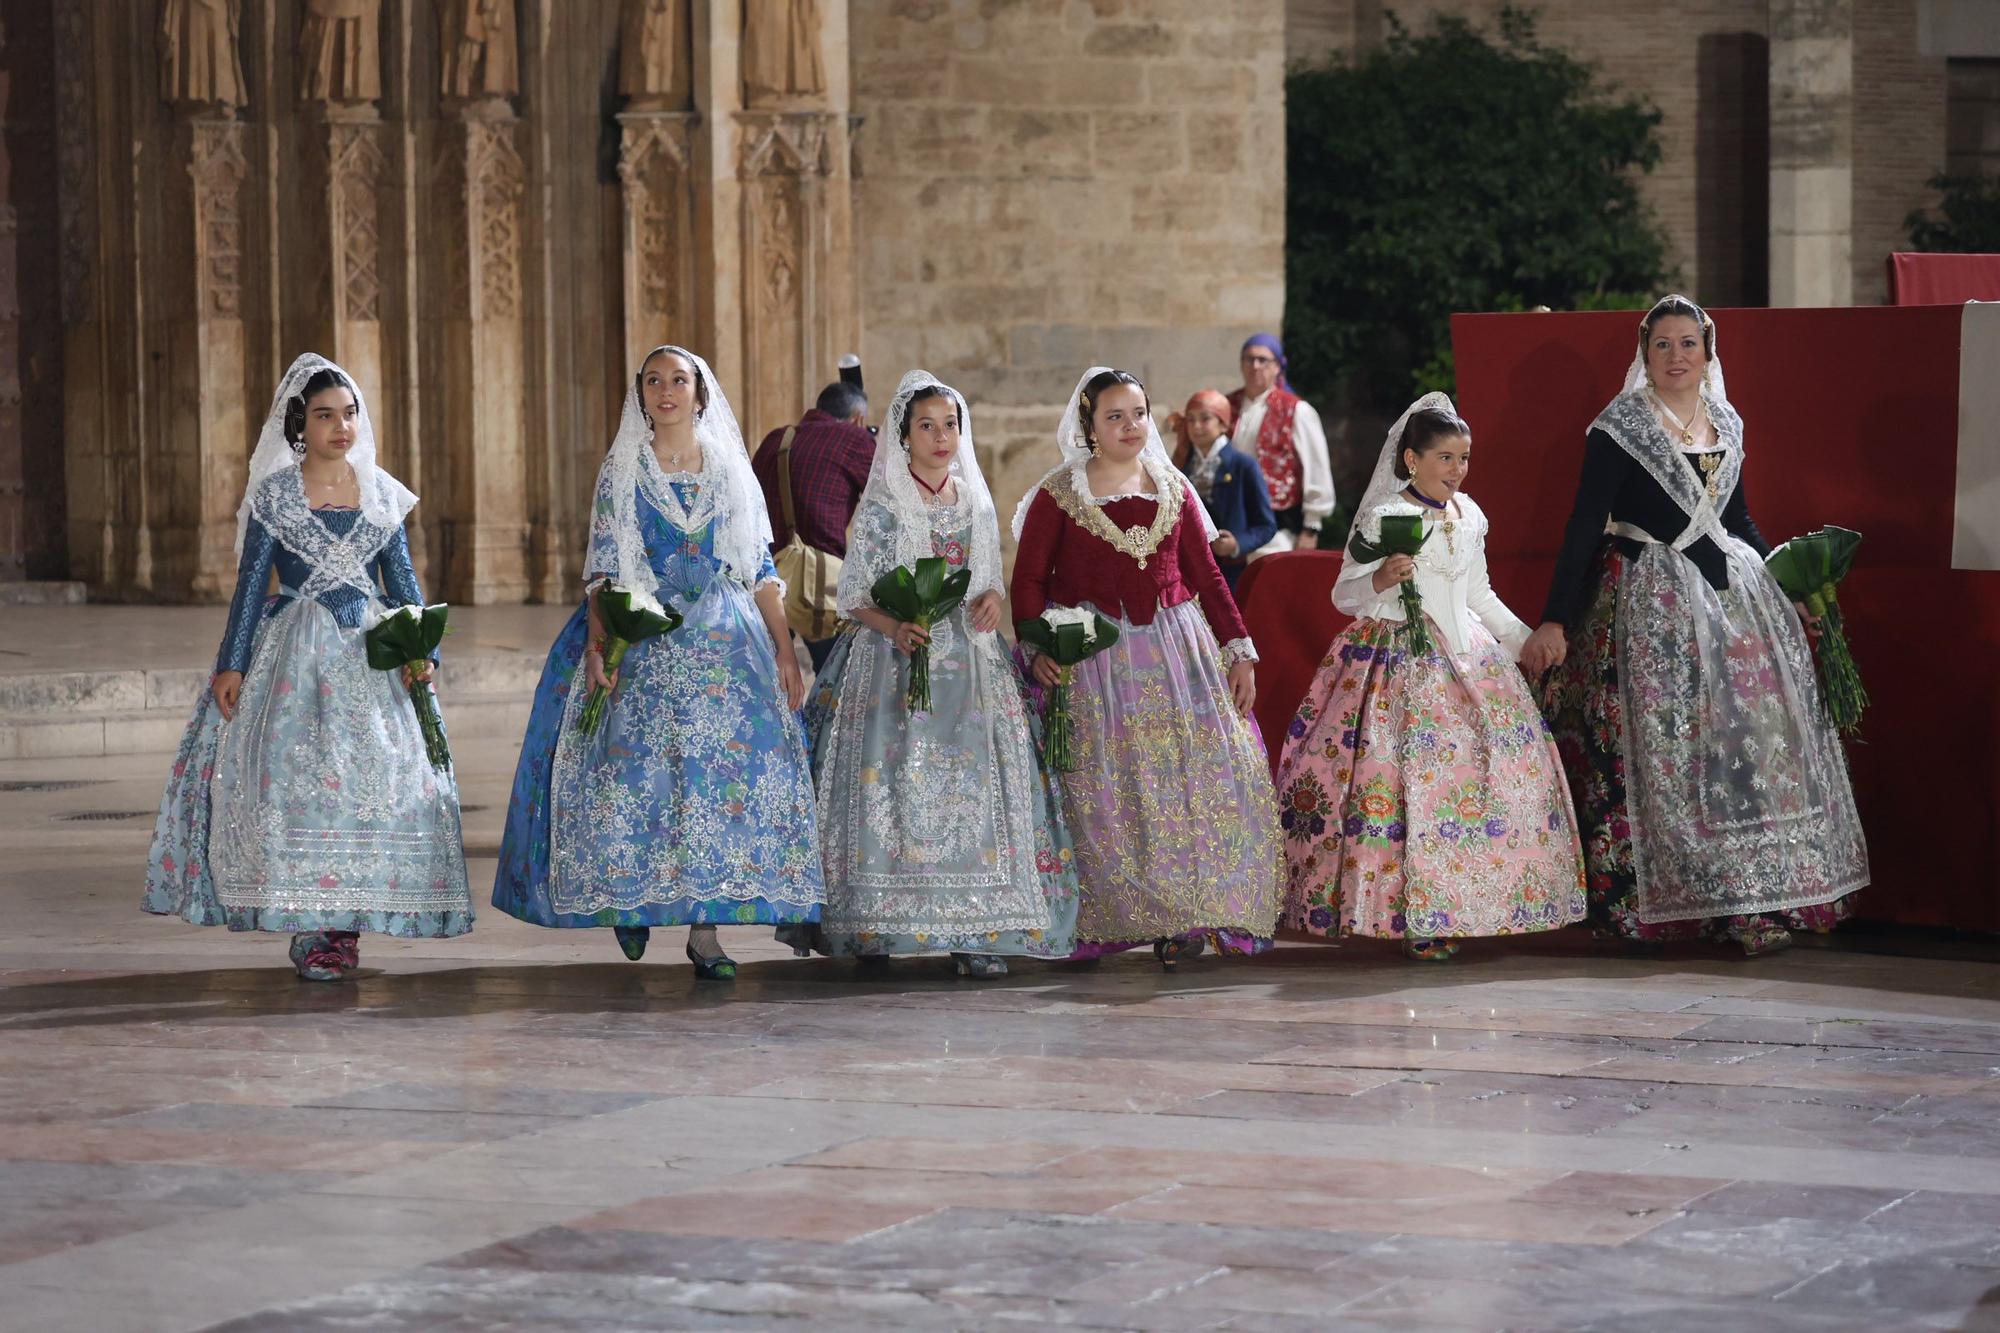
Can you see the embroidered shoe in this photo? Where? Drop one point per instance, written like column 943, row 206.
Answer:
column 982, row 966
column 633, row 940
column 316, row 958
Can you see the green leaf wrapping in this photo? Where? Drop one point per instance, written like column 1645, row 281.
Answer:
column 1402, row 534
column 399, row 640
column 1809, row 569
column 624, row 625
column 1066, row 646
column 921, row 595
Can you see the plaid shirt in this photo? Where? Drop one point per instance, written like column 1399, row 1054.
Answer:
column 830, row 462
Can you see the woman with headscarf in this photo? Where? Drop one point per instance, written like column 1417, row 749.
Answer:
column 1170, row 805
column 1421, row 796
column 1229, row 482
column 938, row 830
column 1712, row 790
column 1284, row 432
column 302, row 799
column 692, row 804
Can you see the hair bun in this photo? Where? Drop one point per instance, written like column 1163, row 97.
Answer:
column 295, row 419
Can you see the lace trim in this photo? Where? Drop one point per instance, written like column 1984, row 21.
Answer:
column 1629, row 419
column 1139, row 543
column 335, row 560
column 1238, row 650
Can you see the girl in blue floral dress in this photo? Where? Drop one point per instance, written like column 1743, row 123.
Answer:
column 302, row 799
column 941, row 832
column 693, row 803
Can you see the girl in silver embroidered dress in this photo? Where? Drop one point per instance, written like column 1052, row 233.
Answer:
column 939, row 831
column 302, row 799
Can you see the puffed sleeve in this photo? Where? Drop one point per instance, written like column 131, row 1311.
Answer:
column 1316, row 497
column 1035, row 557
column 246, row 608
column 1604, row 466
column 1354, row 591
column 1200, row 572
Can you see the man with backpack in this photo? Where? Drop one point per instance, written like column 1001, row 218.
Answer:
column 813, row 474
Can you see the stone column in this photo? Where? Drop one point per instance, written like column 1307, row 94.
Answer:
column 655, row 158
column 1812, row 152
column 474, row 354
column 209, row 425
column 783, row 169
column 191, row 225
column 656, row 171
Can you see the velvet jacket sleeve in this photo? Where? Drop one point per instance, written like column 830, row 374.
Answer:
column 1035, row 557
column 1204, row 577
column 1737, row 522
column 398, row 574
column 1604, row 468
column 1260, row 521
column 246, row 608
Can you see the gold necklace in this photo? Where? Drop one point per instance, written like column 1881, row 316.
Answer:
column 1694, row 418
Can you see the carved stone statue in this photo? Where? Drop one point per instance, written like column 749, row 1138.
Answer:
column 478, row 47
column 199, row 65
column 656, row 52
column 781, row 44
column 340, row 51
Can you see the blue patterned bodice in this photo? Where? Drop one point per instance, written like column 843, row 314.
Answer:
column 263, row 553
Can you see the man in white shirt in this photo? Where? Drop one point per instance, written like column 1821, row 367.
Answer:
column 1284, row 432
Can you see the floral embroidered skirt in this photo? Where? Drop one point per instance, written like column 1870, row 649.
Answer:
column 1584, row 703
column 1422, row 796
column 1171, row 806
column 315, row 808
column 693, row 805
column 938, row 830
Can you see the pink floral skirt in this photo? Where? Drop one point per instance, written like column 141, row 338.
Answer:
column 1421, row 796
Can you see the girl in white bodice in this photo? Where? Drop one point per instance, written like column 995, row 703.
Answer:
column 1420, row 794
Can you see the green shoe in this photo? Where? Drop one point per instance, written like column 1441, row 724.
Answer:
column 633, row 939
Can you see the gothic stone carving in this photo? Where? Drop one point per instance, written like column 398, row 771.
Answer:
column 217, row 166
column 781, row 51
column 199, row 65
column 656, row 53
column 477, row 46
column 340, row 56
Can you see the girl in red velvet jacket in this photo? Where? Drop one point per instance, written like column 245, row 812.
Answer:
column 1171, row 805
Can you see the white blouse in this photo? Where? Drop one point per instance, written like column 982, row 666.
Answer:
column 1451, row 577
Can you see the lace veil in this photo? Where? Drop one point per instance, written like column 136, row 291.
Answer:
column 1075, row 450
column 727, row 493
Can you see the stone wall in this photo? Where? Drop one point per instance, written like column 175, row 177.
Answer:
column 1690, row 61
column 1047, row 184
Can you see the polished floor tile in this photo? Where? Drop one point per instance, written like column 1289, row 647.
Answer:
column 519, row 1130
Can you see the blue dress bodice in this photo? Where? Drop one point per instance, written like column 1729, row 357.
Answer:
column 684, row 562
column 262, row 553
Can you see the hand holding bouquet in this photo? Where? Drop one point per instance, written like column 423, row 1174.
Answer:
column 1065, row 635
column 629, row 616
column 1402, row 534
column 1809, row 568
column 405, row 638
column 921, row 595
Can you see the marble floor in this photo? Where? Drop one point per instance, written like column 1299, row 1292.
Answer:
column 520, row 1130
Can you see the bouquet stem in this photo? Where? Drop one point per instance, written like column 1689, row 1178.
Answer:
column 918, row 700
column 428, row 721
column 592, row 716
column 1061, row 735
column 1416, row 633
